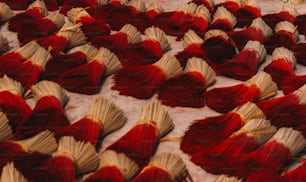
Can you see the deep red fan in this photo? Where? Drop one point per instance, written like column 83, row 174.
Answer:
column 245, row 64
column 114, row 167
column 292, row 83
column 257, row 88
column 142, row 81
column 296, row 174
column 300, row 23
column 223, row 20
column 154, row 9
column 230, row 5
column 286, row 35
column 48, row 112
column 282, row 65
column 274, row 154
column 188, row 89
column 264, row 175
column 154, row 123
column 203, row 135
column 247, row 13
column 299, row 52
column 223, row 158
column 257, row 31
column 87, row 78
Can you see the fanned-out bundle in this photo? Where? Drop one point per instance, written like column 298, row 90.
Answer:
column 282, row 65
column 35, row 11
column 300, row 23
column 151, row 49
column 6, row 131
column 288, row 13
column 11, row 174
column 203, row 135
column 192, row 48
column 69, row 4
column 77, row 56
column 188, row 89
column 223, row 20
column 216, row 41
column 71, row 159
column 171, row 22
column 257, row 88
column 103, row 117
column 140, row 142
column 115, row 167
column 40, row 28
column 142, row 81
column 90, row 26
column 225, row 178
column 198, row 22
column 5, row 13
column 209, row 4
column 48, row 112
column 87, row 78
column 245, row 64
column 231, row 5
column 11, row 60
column 247, row 13
column 292, row 83
column 287, row 111
column 127, row 36
column 274, row 154
column 4, row 44
column 12, row 104
column 27, row 154
column 154, row 9
column 166, row 167
column 296, row 174
column 16, row 4
column 28, row 73
column 67, row 37
column 285, row 35
column 225, row 157
column 257, row 31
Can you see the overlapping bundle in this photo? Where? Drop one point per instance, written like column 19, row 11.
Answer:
column 247, row 13
column 223, row 20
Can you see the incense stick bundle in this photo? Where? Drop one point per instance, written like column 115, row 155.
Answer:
column 286, row 35
column 11, row 60
column 223, row 20
column 128, row 35
column 11, row 174
column 296, row 174
column 225, row 178
column 198, row 23
column 140, row 143
column 6, row 131
column 288, row 13
column 287, row 111
column 6, row 12
column 69, row 4
column 257, row 88
column 299, row 22
column 245, row 64
column 231, row 5
column 275, row 153
column 188, row 89
column 102, row 118
column 36, row 147
column 247, row 13
column 209, row 4
column 142, row 81
column 48, row 112
column 282, row 65
column 223, row 158
column 166, row 167
column 154, row 9
column 292, row 83
column 77, row 56
column 90, row 26
column 67, row 37
column 42, row 27
column 192, row 48
column 216, row 41
column 17, row 4
column 72, row 158
column 35, row 11
column 4, row 44
column 29, row 71
column 205, row 134
column 12, row 104
column 113, row 167
column 87, row 78
column 257, row 31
